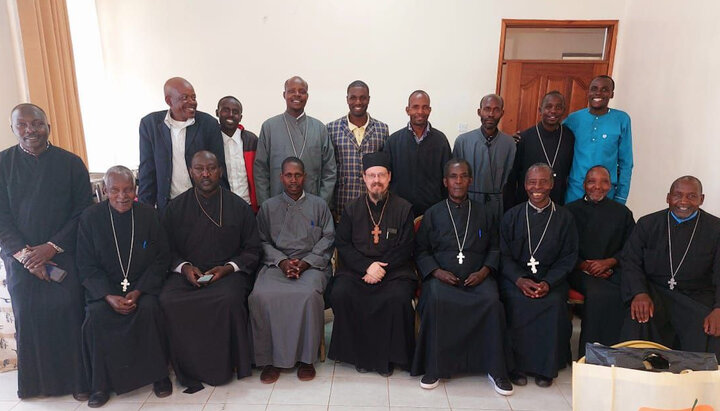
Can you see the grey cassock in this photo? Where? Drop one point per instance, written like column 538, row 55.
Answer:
column 287, row 314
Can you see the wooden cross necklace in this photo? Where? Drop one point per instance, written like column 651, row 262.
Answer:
column 673, row 272
column 533, row 263
column 376, row 225
column 460, row 255
column 125, row 270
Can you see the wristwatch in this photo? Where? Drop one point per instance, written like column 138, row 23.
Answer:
column 57, row 249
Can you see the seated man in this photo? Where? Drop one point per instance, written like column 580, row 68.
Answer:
column 286, row 304
column 122, row 261
column 671, row 274
column 539, row 246
column 371, row 295
column 457, row 266
column 215, row 249
column 603, row 227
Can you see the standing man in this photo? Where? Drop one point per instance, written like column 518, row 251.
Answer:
column 169, row 139
column 43, row 190
column 286, row 304
column 353, row 136
column 490, row 153
column 215, row 249
column 671, row 276
column 547, row 142
column 418, row 154
column 123, row 258
column 462, row 321
column 240, row 147
column 603, row 227
column 294, row 134
column 539, row 246
column 372, row 291
column 602, row 137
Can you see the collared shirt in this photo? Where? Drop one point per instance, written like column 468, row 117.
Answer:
column 540, row 210
column 358, row 131
column 682, row 220
column 180, row 178
column 424, row 134
column 489, row 139
column 235, row 164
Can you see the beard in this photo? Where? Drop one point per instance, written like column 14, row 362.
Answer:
column 377, row 197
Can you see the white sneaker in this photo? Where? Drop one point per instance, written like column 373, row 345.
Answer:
column 502, row 386
column 428, row 382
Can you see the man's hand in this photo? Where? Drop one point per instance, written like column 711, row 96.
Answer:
column 477, row 277
column 532, row 289
column 120, row 304
column 445, row 276
column 517, row 137
column 220, row 272
column 191, row 273
column 711, row 325
column 375, row 272
column 39, row 255
column 598, row 268
column 296, row 267
column 543, row 288
column 133, row 296
column 40, row 272
column 642, row 308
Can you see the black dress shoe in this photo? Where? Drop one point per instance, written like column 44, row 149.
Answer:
column 361, row 370
column 81, row 396
column 98, row 399
column 163, row 388
column 518, row 378
column 544, row 382
column 388, row 373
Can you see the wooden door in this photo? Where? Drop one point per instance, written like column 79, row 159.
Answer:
column 526, row 82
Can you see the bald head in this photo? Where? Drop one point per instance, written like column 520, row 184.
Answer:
column 296, row 79
column 418, row 94
column 295, row 95
column 687, row 179
column 490, row 98
column 180, row 96
column 204, row 156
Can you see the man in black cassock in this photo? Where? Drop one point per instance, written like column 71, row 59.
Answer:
column 462, row 321
column 372, row 292
column 603, row 227
column 212, row 232
column 546, row 142
column 534, row 286
column 124, row 338
column 671, row 274
column 43, row 190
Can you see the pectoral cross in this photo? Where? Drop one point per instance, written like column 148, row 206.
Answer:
column 376, row 234
column 672, row 283
column 460, row 257
column 533, row 263
column 125, row 284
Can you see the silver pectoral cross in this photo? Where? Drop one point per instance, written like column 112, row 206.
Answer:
column 672, row 283
column 460, row 257
column 125, row 284
column 533, row 263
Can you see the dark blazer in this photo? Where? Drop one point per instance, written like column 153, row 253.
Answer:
column 155, row 169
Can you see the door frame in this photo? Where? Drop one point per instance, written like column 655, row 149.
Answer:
column 610, row 44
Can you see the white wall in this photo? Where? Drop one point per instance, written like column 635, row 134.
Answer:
column 12, row 83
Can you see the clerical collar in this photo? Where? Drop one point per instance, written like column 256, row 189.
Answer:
column 287, row 197
column 47, row 147
column 178, row 125
column 461, row 204
column 588, row 200
column 546, row 131
column 540, row 210
column 424, row 134
column 489, row 138
column 298, row 118
column 682, row 220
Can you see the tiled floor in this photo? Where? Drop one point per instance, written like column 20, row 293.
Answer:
column 337, row 387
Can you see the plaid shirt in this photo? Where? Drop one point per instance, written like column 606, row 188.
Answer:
column 348, row 156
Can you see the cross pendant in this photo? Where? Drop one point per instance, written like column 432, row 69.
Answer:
column 125, row 284
column 672, row 283
column 376, row 234
column 533, row 263
column 460, row 257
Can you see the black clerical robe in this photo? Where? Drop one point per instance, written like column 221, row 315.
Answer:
column 122, row 352
column 530, row 151
column 41, row 199
column 208, row 327
column 539, row 328
column 462, row 329
column 374, row 323
column 679, row 313
column 603, row 228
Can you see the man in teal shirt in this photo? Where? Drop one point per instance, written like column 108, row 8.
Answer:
column 602, row 137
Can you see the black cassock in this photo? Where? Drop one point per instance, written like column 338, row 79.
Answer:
column 679, row 313
column 374, row 323
column 603, row 228
column 539, row 328
column 208, row 327
column 41, row 199
column 122, row 352
column 462, row 329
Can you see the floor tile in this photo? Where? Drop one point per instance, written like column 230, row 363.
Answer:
column 322, row 369
column 294, row 391
column 249, row 390
column 368, row 392
column 534, row 398
column 348, row 370
column 358, row 408
column 566, row 390
column 564, row 375
column 7, row 405
column 474, row 392
column 171, row 407
column 418, row 409
column 407, row 393
column 48, row 406
column 116, row 406
column 8, row 386
column 61, row 398
column 293, row 407
column 234, row 407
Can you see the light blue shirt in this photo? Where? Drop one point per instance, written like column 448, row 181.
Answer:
column 604, row 140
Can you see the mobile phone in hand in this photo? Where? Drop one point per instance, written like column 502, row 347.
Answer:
column 55, row 273
column 205, row 279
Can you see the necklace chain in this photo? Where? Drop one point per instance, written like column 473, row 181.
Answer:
column 125, row 270
column 557, row 150
column 527, row 219
column 367, row 203
column 287, row 126
column 467, row 224
column 674, row 272
column 205, row 212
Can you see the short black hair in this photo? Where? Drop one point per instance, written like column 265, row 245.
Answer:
column 606, row 77
column 687, row 178
column 28, row 105
column 496, row 97
column 418, row 92
column 456, row 161
column 553, row 93
column 540, row 166
column 358, row 83
column 292, row 159
column 229, row 98
column 595, row 167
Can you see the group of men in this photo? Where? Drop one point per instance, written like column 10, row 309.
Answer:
column 225, row 260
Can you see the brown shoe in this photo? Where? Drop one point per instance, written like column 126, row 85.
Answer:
column 305, row 372
column 269, row 374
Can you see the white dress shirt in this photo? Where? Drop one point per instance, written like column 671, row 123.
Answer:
column 180, row 178
column 235, row 163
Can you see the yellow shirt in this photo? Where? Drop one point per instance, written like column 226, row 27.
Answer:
column 358, row 132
